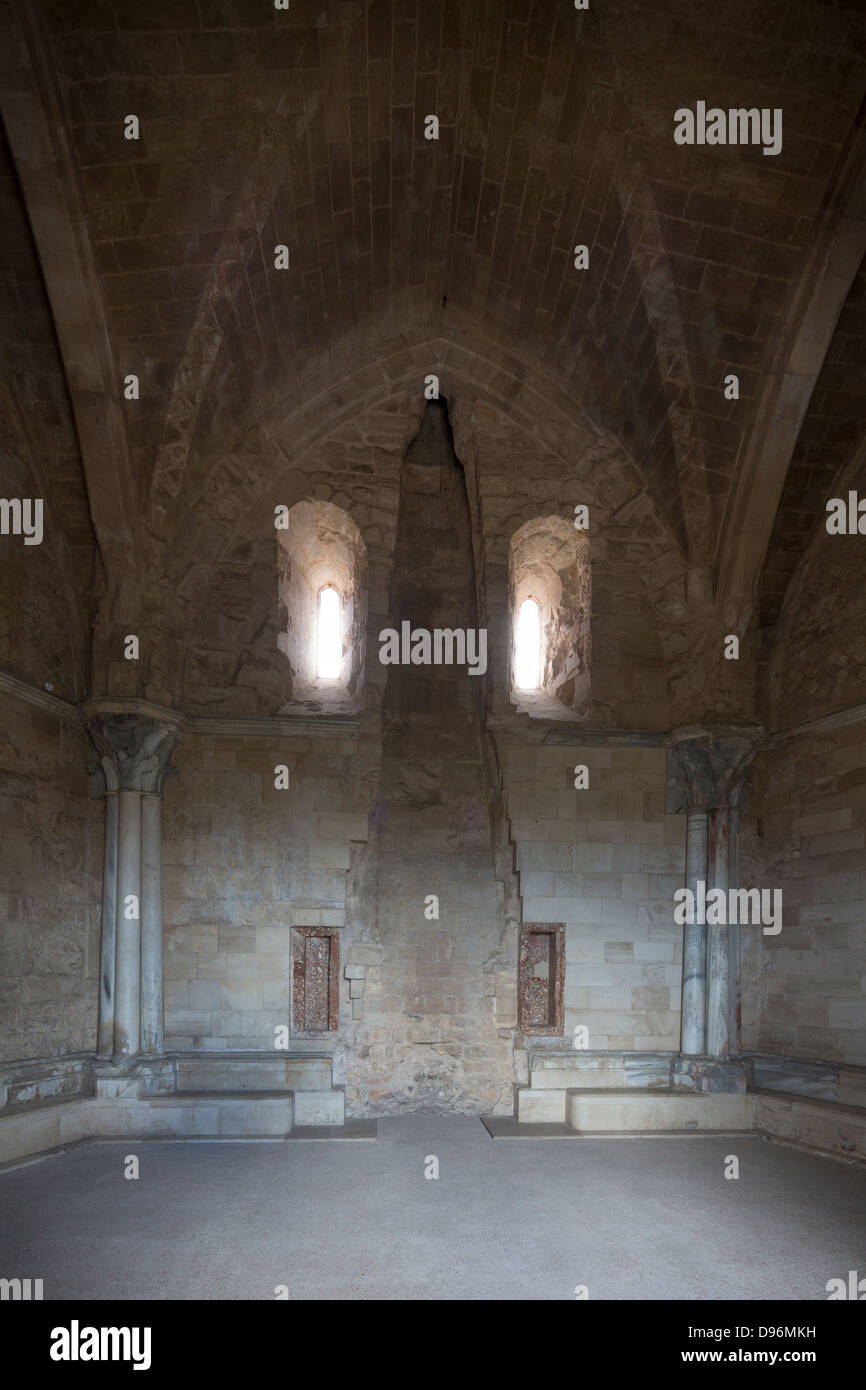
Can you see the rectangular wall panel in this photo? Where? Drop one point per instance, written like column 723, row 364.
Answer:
column 315, row 980
column 541, row 977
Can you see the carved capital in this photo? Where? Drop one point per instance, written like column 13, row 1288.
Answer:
column 134, row 750
column 709, row 767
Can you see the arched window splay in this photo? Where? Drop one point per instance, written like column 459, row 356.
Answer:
column 527, row 665
column 328, row 637
column 550, row 603
column 322, row 564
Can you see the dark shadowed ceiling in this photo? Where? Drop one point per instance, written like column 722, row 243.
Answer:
column 306, row 128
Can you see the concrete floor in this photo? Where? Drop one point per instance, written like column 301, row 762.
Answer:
column 631, row 1218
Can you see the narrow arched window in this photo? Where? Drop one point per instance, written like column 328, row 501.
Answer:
column 527, row 666
column 329, row 646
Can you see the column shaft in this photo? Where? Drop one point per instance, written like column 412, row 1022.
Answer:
column 734, row 1023
column 718, row 946
column 127, row 1035
column 152, row 1036
column 694, row 940
column 105, row 1033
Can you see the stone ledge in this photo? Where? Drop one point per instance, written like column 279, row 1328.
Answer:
column 833, row 1081
column 548, row 731
column 819, row 1103
column 52, row 1080
column 819, row 1125
column 671, row 1109
column 41, row 1130
column 206, row 1098
column 253, row 1073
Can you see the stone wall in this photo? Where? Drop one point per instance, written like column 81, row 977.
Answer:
column 514, row 481
column 244, row 862
column 805, row 833
column 606, row 861
column 241, row 659
column 428, row 1006
column 819, row 658
column 442, row 1010
column 50, row 884
column 46, row 598
column 36, row 632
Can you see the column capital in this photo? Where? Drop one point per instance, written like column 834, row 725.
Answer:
column 708, row 765
column 134, row 749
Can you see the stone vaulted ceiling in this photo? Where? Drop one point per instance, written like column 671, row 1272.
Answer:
column 306, row 128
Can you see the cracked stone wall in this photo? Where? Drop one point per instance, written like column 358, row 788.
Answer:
column 438, row 1032
column 50, row 885
column 427, row 1008
column 606, row 861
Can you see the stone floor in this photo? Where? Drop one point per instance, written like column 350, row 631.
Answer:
column 644, row 1218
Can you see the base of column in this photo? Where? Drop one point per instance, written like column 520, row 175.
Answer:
column 712, row 1074
column 133, row 1076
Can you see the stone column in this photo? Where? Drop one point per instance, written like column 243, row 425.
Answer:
column 152, row 1034
column 127, row 960
column 734, row 1022
column 694, row 940
column 135, row 750
column 707, row 771
column 718, row 968
column 105, row 1037
column 738, row 794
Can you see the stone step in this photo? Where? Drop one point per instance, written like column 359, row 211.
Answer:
column 540, row 1107
column 171, row 1116
column 191, row 1113
column 320, row 1107
column 634, row 1111
column 196, row 1114
column 302, row 1072
column 307, row 1077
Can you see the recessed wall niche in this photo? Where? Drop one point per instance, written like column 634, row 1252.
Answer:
column 322, row 548
column 315, row 980
column 541, row 978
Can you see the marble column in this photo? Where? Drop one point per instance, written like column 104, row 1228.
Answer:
column 734, row 1019
column 105, row 1037
column 718, row 940
column 135, row 751
column 707, row 771
column 694, row 940
column 152, row 1029
column 127, row 958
